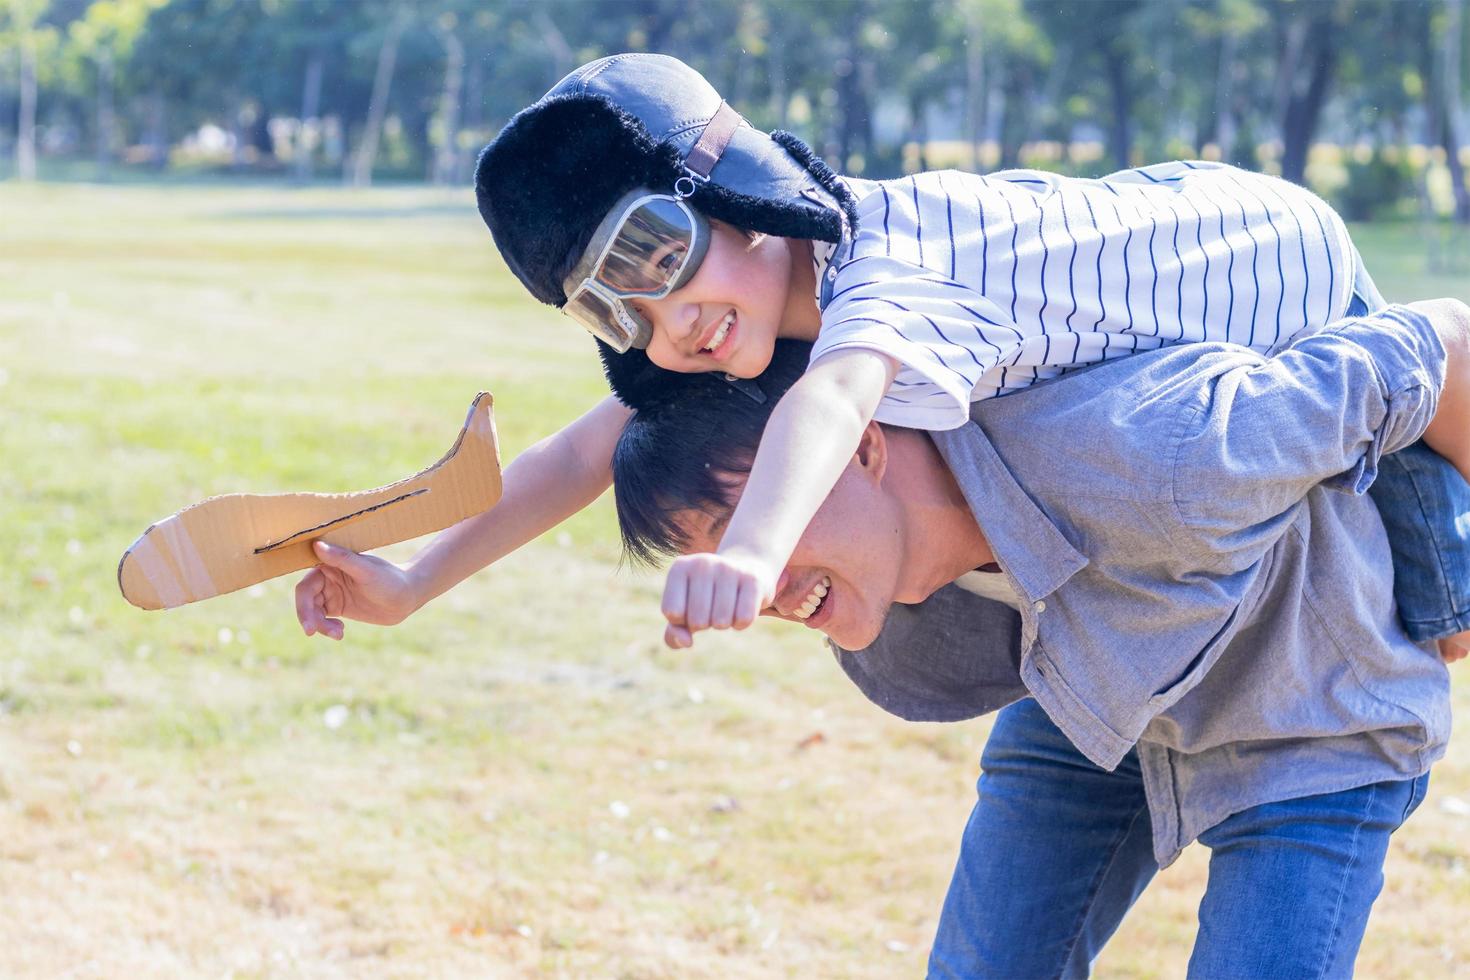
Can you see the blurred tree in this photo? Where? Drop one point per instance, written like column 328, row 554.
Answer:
column 360, row 170
column 20, row 31
column 194, row 61
column 309, row 41
column 414, row 86
column 1227, row 27
column 445, row 167
column 1311, row 36
column 1446, row 83
column 105, row 36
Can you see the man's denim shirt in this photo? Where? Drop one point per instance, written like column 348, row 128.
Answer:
column 1199, row 570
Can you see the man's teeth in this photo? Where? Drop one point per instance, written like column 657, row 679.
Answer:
column 719, row 337
column 813, row 601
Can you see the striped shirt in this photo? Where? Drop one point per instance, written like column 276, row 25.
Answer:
column 983, row 285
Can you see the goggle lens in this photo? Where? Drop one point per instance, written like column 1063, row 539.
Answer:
column 649, row 250
column 609, row 320
column 648, row 246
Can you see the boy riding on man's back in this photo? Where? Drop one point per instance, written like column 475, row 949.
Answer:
column 690, row 242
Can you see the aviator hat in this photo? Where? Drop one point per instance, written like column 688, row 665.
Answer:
column 631, row 120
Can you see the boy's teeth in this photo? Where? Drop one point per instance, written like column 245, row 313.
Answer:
column 813, row 600
column 719, row 337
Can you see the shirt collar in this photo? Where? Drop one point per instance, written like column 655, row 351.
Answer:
column 1025, row 541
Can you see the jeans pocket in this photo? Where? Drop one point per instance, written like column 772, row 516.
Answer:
column 1417, row 790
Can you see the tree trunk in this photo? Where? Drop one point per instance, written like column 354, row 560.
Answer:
column 445, row 159
column 1450, row 106
column 1223, row 121
column 106, row 116
column 974, row 86
column 157, row 131
column 1018, row 89
column 474, row 114
column 307, row 131
column 1304, row 103
column 367, row 150
column 259, row 135
column 239, row 137
column 563, row 58
column 919, row 127
column 780, row 96
column 25, row 134
column 1120, row 134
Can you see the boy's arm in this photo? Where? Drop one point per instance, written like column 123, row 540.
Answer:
column 812, row 433
column 543, row 486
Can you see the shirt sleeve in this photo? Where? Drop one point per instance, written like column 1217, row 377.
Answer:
column 1260, row 435
column 943, row 334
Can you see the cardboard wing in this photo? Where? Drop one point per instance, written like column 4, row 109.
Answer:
column 230, row 542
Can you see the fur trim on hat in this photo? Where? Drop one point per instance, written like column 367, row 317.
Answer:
column 549, row 178
column 818, row 168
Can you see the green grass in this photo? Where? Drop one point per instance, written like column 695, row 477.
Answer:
column 174, row 802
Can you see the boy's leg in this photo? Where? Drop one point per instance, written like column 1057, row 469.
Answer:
column 1424, row 502
column 1291, row 883
column 1056, row 850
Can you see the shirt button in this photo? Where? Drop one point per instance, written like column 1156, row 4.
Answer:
column 1039, row 606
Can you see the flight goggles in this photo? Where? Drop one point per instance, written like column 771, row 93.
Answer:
column 648, row 246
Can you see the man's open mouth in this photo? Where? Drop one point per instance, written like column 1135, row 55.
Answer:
column 813, row 601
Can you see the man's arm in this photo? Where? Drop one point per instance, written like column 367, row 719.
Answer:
column 1260, row 434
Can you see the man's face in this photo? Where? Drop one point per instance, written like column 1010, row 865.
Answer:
column 854, row 547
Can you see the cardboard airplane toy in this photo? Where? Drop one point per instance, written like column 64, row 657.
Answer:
column 233, row 541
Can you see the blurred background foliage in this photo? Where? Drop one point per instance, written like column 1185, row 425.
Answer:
column 1363, row 99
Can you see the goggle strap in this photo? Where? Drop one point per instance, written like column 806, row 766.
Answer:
column 747, row 387
column 713, row 139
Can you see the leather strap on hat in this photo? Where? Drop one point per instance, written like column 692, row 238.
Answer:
column 711, row 144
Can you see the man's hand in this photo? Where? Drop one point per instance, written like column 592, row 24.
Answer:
column 1456, row 647
column 361, row 587
column 714, row 591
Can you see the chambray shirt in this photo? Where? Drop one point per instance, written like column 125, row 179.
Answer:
column 980, row 285
column 1199, row 571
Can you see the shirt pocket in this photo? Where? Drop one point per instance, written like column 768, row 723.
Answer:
column 1194, row 671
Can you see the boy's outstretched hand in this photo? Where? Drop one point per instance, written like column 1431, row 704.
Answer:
column 714, row 591
column 347, row 584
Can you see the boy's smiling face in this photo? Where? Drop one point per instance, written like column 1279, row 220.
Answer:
column 744, row 296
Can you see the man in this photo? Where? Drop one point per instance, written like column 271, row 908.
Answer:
column 1202, row 613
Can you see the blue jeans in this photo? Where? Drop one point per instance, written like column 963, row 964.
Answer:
column 1425, row 505
column 1057, row 850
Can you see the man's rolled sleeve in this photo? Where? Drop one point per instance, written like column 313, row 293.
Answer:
column 1321, row 410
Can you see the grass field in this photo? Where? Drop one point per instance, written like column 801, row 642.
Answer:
column 519, row 781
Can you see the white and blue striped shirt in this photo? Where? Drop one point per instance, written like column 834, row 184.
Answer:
column 981, row 285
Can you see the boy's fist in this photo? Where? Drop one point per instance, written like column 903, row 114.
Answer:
column 714, row 591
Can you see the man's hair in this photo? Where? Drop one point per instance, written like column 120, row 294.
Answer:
column 691, row 451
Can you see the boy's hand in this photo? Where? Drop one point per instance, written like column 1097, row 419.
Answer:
column 361, row 587
column 714, row 591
